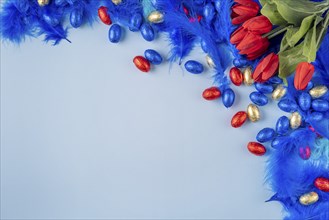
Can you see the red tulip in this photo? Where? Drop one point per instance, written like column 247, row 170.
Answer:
column 242, row 12
column 266, row 68
column 253, row 45
column 258, row 25
column 238, row 35
column 247, row 3
column 304, row 74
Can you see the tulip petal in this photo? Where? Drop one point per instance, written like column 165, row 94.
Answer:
column 304, row 74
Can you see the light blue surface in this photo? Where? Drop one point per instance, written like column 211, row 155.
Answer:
column 85, row 135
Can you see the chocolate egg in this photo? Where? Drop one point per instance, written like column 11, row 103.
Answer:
column 239, row 119
column 318, row 91
column 322, row 184
column 155, row 17
column 279, row 92
column 264, row 135
column 253, row 113
column 210, row 62
column 309, row 198
column 320, row 105
column 142, row 64
column 194, row 67
column 153, row 56
column 258, row 98
column 304, row 101
column 211, row 93
column 248, row 80
column 282, row 125
column 228, row 97
column 256, row 148
column 135, row 22
column 76, row 18
column 104, row 16
column 116, row 2
column 295, row 120
column 264, row 87
column 236, row 76
column 115, row 33
column 43, row 2
column 147, row 32
column 287, row 105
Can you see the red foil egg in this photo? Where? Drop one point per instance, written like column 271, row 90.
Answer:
column 142, row 64
column 236, row 76
column 239, row 119
column 322, row 184
column 256, row 148
column 104, row 16
column 211, row 93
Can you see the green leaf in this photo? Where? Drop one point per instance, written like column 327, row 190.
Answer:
column 301, row 31
column 289, row 60
column 310, row 42
column 270, row 11
column 294, row 11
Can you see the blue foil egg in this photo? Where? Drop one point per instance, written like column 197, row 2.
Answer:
column 76, row 18
column 275, row 80
column 310, row 85
column 282, row 125
column 278, row 142
column 153, row 56
column 204, row 46
column 240, row 63
column 209, row 12
column 135, row 22
column 194, row 67
column 266, row 134
column 320, row 105
column 287, row 105
column 115, row 33
column 258, row 98
column 304, row 101
column 147, row 32
column 228, row 97
column 316, row 116
column 265, row 88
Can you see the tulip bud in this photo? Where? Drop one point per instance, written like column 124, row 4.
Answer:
column 242, row 12
column 238, row 35
column 253, row 46
column 303, row 76
column 258, row 25
column 266, row 68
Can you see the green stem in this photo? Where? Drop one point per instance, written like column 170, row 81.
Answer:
column 275, row 32
column 325, row 25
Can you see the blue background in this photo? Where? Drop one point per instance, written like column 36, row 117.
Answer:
column 84, row 134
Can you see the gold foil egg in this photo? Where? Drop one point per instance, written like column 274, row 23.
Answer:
column 43, row 2
column 116, row 2
column 247, row 79
column 210, row 61
column 253, row 113
column 279, row 92
column 155, row 17
column 318, row 91
column 295, row 120
column 309, row 198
